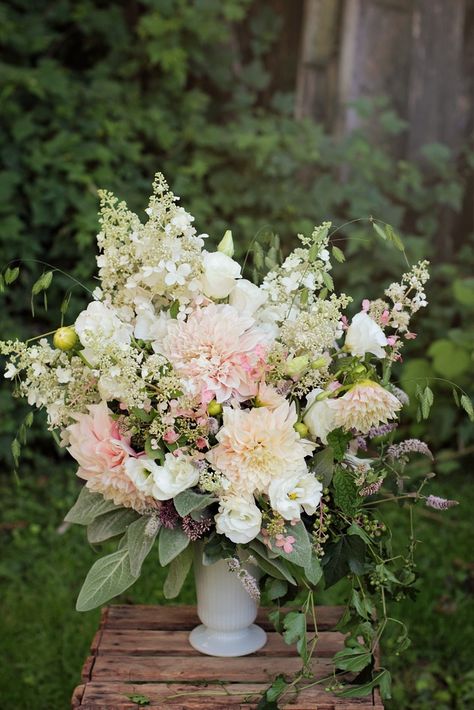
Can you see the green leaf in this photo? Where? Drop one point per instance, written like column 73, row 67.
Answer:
column 352, row 659
column 170, row 543
column 88, row 506
column 361, row 691
column 355, row 529
column 140, row 542
column 427, row 400
column 322, row 465
column 339, row 440
column 174, row 310
column 327, row 280
column 344, row 556
column 346, row 494
column 139, row 699
column 275, row 567
column 302, row 550
column 108, row 577
column 314, row 571
column 394, row 238
column 154, row 453
column 338, row 254
column 177, row 573
column 188, row 501
column 110, row 524
column 278, row 686
column 277, row 588
column 379, row 230
column 11, row 275
column 43, row 283
column 466, row 404
column 294, row 624
column 361, row 604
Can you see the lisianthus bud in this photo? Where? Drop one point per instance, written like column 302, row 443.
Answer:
column 302, row 429
column 317, row 364
column 65, row 338
column 226, row 245
column 296, row 366
column 214, row 408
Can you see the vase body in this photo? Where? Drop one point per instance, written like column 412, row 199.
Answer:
column 226, row 610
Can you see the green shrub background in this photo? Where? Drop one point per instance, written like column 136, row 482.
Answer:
column 100, row 94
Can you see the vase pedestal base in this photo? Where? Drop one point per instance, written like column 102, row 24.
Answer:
column 227, row 643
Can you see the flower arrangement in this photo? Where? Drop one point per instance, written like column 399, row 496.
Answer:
column 256, row 419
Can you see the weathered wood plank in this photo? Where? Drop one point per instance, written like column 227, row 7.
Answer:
column 172, row 643
column 200, row 668
column 185, row 617
column 246, row 695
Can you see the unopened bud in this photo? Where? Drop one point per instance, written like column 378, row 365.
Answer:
column 65, row 338
column 226, row 245
column 297, row 365
column 317, row 364
column 214, row 408
column 302, row 429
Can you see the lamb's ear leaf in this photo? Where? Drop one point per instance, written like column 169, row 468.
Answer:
column 89, row 506
column 177, row 573
column 108, row 577
column 140, row 540
column 110, row 524
column 171, row 542
column 189, row 501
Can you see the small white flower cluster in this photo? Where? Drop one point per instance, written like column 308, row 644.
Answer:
column 294, row 285
column 315, row 330
column 408, row 296
column 157, row 262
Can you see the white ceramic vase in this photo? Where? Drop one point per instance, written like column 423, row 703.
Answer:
column 226, row 610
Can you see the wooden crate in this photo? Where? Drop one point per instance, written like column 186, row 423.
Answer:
column 144, row 650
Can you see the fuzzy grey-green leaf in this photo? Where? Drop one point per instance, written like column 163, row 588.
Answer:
column 108, row 577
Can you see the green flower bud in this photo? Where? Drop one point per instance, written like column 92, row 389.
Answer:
column 65, row 339
column 214, row 408
column 317, row 364
column 297, row 365
column 302, row 429
column 226, row 245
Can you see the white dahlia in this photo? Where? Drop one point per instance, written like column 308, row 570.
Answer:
column 365, row 405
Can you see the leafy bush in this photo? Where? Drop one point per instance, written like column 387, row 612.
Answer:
column 102, row 94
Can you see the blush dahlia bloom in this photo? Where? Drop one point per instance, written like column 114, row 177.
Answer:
column 364, row 406
column 258, row 445
column 217, row 352
column 101, row 451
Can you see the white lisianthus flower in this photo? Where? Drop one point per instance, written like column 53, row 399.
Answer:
column 365, row 336
column 149, row 326
column 289, row 494
column 319, row 417
column 238, row 518
column 162, row 482
column 220, row 273
column 247, row 298
column 99, row 326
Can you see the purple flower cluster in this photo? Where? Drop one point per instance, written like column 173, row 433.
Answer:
column 168, row 516
column 196, row 529
column 409, row 446
column 249, row 583
column 371, row 489
column 440, row 503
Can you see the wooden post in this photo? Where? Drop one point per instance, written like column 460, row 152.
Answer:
column 314, row 83
column 437, row 111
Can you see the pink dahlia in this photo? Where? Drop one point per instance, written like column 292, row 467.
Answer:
column 100, row 449
column 217, row 352
column 367, row 404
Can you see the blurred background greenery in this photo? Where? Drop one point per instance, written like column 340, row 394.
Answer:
column 265, row 117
